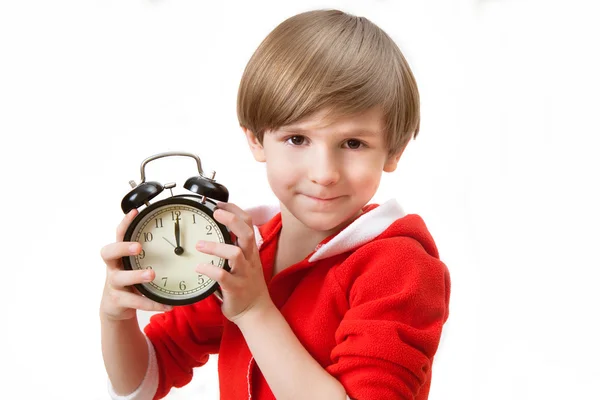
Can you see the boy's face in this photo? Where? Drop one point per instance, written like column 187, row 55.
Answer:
column 324, row 171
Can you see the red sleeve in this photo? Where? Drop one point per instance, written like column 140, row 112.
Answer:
column 398, row 299
column 183, row 339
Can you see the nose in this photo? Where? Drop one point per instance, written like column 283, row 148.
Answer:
column 324, row 168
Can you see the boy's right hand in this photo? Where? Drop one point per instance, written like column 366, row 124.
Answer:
column 120, row 300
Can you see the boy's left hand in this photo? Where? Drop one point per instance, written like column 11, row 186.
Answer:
column 244, row 288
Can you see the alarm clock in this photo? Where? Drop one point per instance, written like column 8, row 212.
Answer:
column 168, row 231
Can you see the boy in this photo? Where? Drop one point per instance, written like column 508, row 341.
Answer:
column 328, row 297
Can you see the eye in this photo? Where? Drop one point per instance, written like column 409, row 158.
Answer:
column 354, row 144
column 296, row 140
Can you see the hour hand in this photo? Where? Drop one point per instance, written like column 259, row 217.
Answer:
column 178, row 249
column 167, row 240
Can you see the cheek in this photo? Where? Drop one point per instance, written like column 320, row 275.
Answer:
column 369, row 183
column 282, row 172
column 365, row 174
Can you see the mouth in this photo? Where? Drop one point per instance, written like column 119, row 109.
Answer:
column 323, row 199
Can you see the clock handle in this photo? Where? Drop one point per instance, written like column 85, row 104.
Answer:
column 168, row 154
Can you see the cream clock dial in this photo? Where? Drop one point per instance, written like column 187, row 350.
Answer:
column 168, row 234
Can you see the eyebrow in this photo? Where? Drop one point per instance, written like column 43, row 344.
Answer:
column 353, row 132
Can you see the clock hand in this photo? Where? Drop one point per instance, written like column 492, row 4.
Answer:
column 168, row 241
column 177, row 233
column 178, row 249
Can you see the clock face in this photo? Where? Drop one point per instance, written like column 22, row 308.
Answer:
column 168, row 234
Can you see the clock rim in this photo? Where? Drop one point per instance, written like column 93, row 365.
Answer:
column 188, row 200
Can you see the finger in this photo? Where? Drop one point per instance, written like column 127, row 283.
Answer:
column 131, row 300
column 121, row 279
column 227, row 251
column 112, row 253
column 234, row 209
column 240, row 228
column 122, row 228
column 215, row 273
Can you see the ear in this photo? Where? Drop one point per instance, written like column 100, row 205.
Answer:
column 255, row 147
column 392, row 161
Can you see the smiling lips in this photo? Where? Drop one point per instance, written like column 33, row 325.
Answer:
column 322, row 200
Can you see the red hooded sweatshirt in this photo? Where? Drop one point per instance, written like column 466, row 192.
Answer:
column 368, row 304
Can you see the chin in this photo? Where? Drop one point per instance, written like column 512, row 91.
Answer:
column 322, row 217
column 325, row 221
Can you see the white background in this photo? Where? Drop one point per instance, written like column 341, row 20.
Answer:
column 504, row 173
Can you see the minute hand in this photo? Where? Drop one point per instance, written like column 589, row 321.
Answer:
column 177, row 232
column 178, row 249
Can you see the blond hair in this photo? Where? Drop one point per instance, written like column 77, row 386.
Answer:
column 328, row 59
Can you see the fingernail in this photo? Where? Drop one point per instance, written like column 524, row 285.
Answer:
column 201, row 244
column 133, row 248
column 147, row 276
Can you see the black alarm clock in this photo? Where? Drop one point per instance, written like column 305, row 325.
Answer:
column 168, row 231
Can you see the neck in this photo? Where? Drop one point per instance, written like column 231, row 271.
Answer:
column 296, row 240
